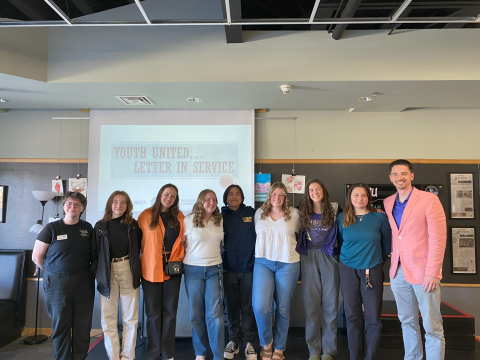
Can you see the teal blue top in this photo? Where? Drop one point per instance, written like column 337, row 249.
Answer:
column 366, row 244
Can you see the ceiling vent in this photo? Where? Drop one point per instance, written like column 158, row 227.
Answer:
column 135, row 100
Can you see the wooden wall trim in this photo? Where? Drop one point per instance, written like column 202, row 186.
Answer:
column 365, row 161
column 46, row 161
column 272, row 161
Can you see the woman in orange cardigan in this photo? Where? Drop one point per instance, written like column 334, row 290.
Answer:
column 162, row 227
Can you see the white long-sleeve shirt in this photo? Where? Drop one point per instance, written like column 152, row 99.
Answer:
column 276, row 240
column 203, row 243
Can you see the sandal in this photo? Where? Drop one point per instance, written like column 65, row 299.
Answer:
column 267, row 352
column 277, row 354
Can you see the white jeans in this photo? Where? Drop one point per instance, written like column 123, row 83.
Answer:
column 121, row 291
column 409, row 298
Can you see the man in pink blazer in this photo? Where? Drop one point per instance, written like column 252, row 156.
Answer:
column 419, row 235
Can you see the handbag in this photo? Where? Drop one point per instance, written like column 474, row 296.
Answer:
column 172, row 268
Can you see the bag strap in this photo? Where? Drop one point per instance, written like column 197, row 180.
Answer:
column 163, row 241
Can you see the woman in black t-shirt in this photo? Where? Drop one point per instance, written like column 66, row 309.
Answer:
column 117, row 245
column 63, row 248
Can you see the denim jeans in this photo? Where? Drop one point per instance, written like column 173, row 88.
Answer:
column 409, row 298
column 273, row 281
column 204, row 293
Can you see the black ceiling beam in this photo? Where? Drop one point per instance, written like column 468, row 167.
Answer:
column 464, row 12
column 233, row 33
column 30, row 10
column 83, row 6
column 350, row 9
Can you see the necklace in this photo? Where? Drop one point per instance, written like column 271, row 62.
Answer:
column 361, row 216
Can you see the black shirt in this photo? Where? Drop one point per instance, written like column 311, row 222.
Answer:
column 171, row 235
column 69, row 250
column 118, row 240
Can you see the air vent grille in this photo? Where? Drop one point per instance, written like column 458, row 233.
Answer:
column 134, row 100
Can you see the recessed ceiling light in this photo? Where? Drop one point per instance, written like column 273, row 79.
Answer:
column 368, row 98
column 194, row 100
column 3, row 100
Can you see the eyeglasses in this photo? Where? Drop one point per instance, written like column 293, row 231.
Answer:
column 74, row 205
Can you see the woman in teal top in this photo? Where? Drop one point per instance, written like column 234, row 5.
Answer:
column 364, row 238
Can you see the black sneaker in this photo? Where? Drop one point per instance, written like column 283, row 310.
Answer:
column 231, row 350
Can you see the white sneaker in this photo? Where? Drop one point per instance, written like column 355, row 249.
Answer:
column 250, row 353
column 199, row 357
column 231, row 350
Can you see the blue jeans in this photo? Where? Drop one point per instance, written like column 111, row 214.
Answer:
column 409, row 298
column 273, row 280
column 204, row 293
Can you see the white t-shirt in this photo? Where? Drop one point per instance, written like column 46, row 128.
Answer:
column 276, row 240
column 203, row 243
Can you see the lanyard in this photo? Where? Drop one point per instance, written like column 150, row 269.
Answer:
column 368, row 285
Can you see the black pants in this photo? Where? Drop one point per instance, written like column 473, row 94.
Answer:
column 352, row 283
column 161, row 303
column 69, row 301
column 238, row 296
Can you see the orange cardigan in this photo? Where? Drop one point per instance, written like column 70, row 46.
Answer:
column 152, row 247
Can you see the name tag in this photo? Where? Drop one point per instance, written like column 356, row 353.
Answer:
column 62, row 237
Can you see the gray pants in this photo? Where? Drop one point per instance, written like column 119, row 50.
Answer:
column 320, row 288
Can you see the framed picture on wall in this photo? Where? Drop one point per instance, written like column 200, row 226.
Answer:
column 461, row 196
column 3, row 203
column 463, row 246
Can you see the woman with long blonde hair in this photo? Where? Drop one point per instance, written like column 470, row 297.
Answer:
column 276, row 270
column 117, row 243
column 203, row 274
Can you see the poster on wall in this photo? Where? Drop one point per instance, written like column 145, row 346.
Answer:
column 262, row 186
column 78, row 185
column 57, row 186
column 295, row 183
column 461, row 196
column 463, row 250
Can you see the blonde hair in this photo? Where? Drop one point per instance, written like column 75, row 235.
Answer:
column 267, row 205
column 199, row 212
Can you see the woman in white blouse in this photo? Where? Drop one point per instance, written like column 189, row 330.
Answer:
column 276, row 271
column 203, row 274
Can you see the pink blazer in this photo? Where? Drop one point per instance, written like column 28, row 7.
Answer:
column 421, row 239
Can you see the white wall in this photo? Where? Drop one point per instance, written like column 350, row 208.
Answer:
column 200, row 53
column 424, row 134
column 418, row 134
column 33, row 134
column 24, row 52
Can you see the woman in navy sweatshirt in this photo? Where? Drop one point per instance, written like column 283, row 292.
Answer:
column 238, row 260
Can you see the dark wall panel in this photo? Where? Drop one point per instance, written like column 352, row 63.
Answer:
column 336, row 176
column 23, row 210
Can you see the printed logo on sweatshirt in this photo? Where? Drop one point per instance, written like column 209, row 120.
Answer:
column 83, row 232
column 247, row 219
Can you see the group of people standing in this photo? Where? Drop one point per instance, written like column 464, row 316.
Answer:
column 254, row 260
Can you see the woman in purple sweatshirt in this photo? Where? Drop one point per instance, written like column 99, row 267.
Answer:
column 319, row 269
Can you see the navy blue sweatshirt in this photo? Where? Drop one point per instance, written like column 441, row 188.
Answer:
column 239, row 239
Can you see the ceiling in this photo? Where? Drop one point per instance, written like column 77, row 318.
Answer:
column 334, row 16
column 393, row 96
column 269, row 15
